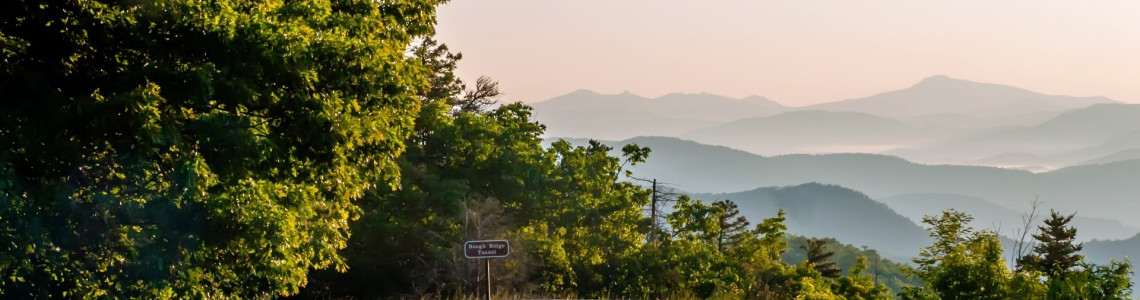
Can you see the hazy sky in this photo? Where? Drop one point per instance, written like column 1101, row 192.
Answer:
column 795, row 52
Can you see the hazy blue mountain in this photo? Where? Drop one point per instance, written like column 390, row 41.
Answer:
column 968, row 122
column 1100, row 191
column 1069, row 138
column 1102, row 251
column 1110, row 151
column 1130, row 154
column 941, row 95
column 989, row 215
column 588, row 114
column 813, row 131
column 1011, row 158
column 819, row 210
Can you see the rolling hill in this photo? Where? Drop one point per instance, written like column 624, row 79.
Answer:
column 1069, row 138
column 1105, row 191
column 812, row 131
column 818, row 210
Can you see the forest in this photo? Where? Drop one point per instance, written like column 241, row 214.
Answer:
column 315, row 149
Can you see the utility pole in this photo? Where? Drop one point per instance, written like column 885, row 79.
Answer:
column 653, row 212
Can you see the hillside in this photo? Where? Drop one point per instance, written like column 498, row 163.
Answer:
column 811, row 131
column 1069, row 138
column 818, row 210
column 884, row 270
column 1130, row 154
column 1102, row 251
column 1110, row 151
column 1101, row 191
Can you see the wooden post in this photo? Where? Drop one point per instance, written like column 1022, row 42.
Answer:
column 488, row 260
column 653, row 213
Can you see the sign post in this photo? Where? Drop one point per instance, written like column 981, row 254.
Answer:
column 487, row 249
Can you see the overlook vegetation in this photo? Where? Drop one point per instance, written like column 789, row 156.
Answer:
column 326, row 149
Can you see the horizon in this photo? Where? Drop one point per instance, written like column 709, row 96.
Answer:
column 786, row 52
column 777, row 101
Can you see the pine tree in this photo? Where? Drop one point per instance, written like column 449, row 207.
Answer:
column 733, row 227
column 1056, row 253
column 818, row 257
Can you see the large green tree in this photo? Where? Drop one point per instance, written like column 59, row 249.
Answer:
column 962, row 263
column 195, row 149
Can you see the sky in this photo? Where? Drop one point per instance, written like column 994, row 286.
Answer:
column 797, row 52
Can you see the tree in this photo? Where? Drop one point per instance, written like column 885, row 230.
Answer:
column 460, row 168
column 195, row 149
column 483, row 95
column 1055, row 253
column 587, row 227
column 733, row 226
column 962, row 263
column 819, row 258
column 858, row 286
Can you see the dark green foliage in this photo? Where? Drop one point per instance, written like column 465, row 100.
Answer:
column 195, row 149
column 1055, row 253
column 468, row 172
column 820, row 258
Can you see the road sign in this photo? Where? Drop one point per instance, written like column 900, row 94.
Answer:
column 486, row 249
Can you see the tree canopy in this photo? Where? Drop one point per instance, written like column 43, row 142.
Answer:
column 195, row 149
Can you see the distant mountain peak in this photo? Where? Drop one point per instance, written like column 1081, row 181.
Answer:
column 580, row 93
column 937, row 78
column 947, row 81
column 758, row 98
column 941, row 94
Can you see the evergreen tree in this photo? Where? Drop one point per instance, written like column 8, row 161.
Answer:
column 819, row 258
column 733, row 226
column 1056, row 251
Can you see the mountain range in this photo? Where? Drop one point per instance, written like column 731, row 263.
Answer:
column 940, row 120
column 1105, row 191
column 587, row 114
column 940, row 95
column 1004, row 220
column 818, row 210
column 867, row 170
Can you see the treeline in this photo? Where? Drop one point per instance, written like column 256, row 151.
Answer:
column 326, row 149
column 964, row 263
